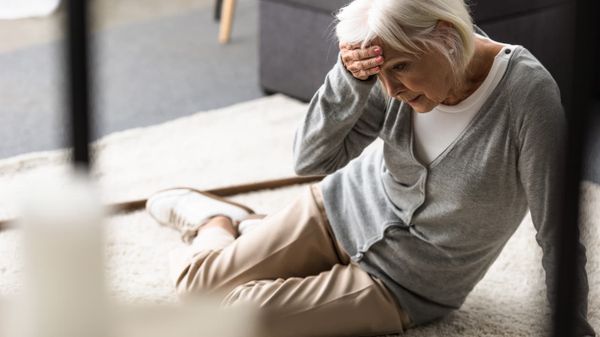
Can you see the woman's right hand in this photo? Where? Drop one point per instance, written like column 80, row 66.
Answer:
column 361, row 62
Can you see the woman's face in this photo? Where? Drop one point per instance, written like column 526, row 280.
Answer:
column 422, row 81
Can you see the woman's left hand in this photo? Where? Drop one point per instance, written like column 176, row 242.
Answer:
column 361, row 62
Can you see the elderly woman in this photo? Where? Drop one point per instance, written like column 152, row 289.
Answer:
column 473, row 133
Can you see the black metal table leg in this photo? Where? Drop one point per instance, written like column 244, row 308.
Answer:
column 78, row 77
column 585, row 68
column 218, row 8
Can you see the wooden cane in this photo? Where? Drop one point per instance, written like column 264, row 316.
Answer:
column 133, row 205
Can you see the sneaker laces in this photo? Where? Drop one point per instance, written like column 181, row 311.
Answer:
column 188, row 230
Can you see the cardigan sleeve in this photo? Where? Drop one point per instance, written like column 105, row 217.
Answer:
column 344, row 117
column 542, row 140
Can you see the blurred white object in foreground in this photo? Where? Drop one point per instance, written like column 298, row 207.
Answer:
column 64, row 287
column 18, row 9
column 199, row 318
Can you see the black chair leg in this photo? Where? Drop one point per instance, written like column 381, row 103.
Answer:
column 218, row 7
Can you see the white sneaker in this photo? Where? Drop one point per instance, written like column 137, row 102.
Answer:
column 186, row 210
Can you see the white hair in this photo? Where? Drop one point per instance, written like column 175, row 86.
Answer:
column 411, row 26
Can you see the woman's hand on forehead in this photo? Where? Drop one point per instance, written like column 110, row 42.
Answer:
column 361, row 62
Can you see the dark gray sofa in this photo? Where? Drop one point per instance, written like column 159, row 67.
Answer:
column 298, row 46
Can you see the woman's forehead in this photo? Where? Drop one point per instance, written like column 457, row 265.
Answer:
column 389, row 51
column 390, row 54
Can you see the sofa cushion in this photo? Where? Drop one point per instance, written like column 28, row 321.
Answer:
column 482, row 10
column 297, row 48
column 326, row 6
column 491, row 10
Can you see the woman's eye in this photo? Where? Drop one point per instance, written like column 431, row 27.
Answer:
column 400, row 66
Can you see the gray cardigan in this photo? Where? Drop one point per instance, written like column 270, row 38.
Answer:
column 430, row 232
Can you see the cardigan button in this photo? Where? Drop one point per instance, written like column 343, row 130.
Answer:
column 506, row 51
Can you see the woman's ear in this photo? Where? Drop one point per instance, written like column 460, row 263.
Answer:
column 446, row 31
column 443, row 25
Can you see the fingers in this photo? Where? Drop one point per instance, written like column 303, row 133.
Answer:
column 366, row 64
column 361, row 62
column 358, row 54
column 364, row 74
column 349, row 46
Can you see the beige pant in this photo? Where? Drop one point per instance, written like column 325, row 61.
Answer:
column 293, row 269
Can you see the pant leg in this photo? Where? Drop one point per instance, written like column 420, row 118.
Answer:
column 344, row 301
column 294, row 242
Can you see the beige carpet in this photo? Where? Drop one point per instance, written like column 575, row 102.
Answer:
column 244, row 143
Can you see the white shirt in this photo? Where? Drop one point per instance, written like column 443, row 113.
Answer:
column 436, row 130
